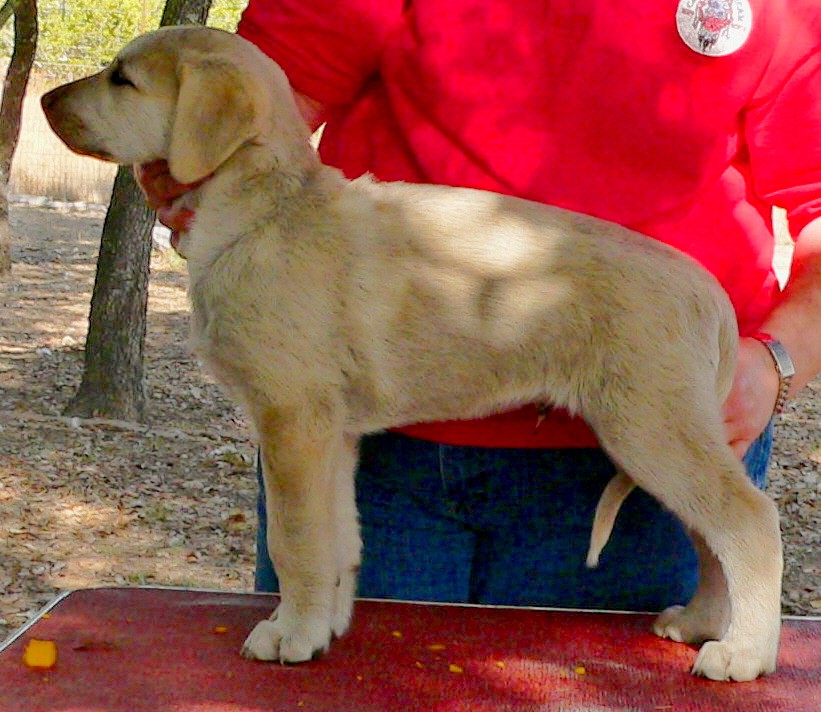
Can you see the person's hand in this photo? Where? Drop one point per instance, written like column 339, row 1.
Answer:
column 162, row 193
column 749, row 407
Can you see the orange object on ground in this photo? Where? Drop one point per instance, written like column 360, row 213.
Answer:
column 40, row 654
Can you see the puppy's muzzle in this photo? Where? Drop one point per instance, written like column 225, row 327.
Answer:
column 68, row 125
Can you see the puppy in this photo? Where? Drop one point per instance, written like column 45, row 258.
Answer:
column 333, row 308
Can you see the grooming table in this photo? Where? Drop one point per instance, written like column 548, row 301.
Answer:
column 170, row 650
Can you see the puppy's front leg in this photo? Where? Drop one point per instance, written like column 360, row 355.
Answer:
column 347, row 540
column 297, row 451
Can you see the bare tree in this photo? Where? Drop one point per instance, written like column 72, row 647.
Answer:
column 11, row 109
column 113, row 384
column 185, row 12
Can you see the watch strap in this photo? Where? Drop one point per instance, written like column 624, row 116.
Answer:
column 783, row 365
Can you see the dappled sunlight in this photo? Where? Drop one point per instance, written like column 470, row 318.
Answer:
column 99, row 503
column 55, row 254
column 83, row 515
column 167, row 299
column 495, row 237
column 50, row 252
column 501, row 265
column 84, row 506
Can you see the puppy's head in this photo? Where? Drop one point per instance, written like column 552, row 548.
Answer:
column 191, row 95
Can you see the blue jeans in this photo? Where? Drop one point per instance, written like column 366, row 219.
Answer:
column 499, row 526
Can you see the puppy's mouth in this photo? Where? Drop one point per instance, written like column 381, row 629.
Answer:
column 84, row 150
column 96, row 153
column 71, row 130
column 90, row 151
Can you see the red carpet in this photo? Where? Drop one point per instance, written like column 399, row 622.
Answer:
column 155, row 650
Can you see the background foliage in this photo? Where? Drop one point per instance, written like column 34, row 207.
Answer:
column 77, row 36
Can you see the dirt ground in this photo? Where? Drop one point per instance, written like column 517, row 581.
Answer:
column 171, row 501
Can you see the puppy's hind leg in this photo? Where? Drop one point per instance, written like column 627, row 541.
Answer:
column 675, row 454
column 750, row 555
column 707, row 615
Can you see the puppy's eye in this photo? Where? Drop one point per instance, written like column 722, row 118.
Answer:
column 118, row 79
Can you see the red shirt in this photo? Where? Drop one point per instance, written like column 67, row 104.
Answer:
column 596, row 106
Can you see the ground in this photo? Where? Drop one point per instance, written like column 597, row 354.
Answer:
column 171, row 501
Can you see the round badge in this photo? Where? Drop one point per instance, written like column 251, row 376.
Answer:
column 714, row 28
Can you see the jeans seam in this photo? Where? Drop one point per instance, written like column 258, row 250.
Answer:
column 442, row 474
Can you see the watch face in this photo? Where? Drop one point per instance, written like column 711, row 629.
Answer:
column 786, row 368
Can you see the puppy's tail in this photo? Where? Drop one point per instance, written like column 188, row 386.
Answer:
column 608, row 507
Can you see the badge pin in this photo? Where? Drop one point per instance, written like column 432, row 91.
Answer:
column 714, row 28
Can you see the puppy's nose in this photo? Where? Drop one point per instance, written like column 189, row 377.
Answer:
column 49, row 99
column 55, row 109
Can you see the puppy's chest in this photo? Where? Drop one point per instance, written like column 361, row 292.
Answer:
column 239, row 310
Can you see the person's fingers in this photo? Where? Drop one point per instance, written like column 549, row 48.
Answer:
column 176, row 218
column 145, row 172
column 146, row 175
column 749, row 406
column 159, row 185
column 740, row 446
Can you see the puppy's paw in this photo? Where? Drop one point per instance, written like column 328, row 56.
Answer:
column 686, row 625
column 722, row 660
column 263, row 642
column 274, row 639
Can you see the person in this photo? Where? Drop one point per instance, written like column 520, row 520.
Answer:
column 686, row 120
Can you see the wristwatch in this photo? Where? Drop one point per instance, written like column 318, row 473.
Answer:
column 783, row 364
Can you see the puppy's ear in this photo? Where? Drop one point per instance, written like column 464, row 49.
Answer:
column 214, row 117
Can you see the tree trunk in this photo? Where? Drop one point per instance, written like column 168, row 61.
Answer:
column 11, row 108
column 185, row 12
column 112, row 384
